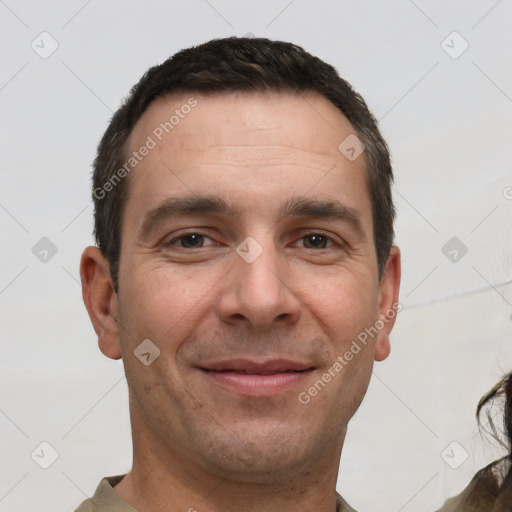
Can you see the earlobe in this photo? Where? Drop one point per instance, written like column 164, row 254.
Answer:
column 100, row 300
column 389, row 287
column 382, row 349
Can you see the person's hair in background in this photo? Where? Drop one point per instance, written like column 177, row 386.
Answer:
column 232, row 65
column 502, row 390
column 490, row 490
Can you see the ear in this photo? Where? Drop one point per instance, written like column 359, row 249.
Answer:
column 388, row 302
column 100, row 300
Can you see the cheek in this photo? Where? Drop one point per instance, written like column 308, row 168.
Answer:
column 345, row 301
column 180, row 286
column 163, row 304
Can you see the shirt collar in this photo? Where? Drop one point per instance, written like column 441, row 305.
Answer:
column 105, row 498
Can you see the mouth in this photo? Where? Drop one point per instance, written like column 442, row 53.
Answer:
column 258, row 379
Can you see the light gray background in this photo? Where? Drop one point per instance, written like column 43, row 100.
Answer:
column 448, row 123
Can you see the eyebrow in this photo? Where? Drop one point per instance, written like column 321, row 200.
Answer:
column 325, row 209
column 185, row 205
column 216, row 205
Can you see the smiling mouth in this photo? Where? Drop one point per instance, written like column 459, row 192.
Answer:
column 249, row 378
column 249, row 366
column 262, row 372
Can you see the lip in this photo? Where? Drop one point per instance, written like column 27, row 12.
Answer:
column 257, row 378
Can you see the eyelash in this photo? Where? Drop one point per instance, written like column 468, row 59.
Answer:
column 311, row 233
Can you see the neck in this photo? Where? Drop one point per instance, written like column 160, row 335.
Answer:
column 166, row 481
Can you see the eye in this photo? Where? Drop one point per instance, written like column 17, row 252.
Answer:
column 188, row 241
column 196, row 240
column 316, row 241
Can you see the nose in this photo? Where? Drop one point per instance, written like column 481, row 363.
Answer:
column 259, row 292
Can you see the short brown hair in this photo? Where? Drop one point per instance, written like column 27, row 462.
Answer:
column 237, row 64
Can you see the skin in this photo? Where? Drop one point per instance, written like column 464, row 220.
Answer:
column 198, row 444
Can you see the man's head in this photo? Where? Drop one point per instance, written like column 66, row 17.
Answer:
column 228, row 66
column 257, row 282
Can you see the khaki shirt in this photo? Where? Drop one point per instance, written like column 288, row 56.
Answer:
column 105, row 499
column 489, row 491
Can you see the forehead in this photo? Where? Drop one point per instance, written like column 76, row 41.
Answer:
column 308, row 121
column 239, row 142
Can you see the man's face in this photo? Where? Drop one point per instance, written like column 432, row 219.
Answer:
column 248, row 309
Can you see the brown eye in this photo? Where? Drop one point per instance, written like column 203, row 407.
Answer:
column 192, row 240
column 189, row 241
column 315, row 241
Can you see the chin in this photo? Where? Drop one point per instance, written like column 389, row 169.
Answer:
column 262, row 456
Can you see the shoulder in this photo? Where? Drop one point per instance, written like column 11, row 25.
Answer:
column 342, row 505
column 105, row 498
column 490, row 490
